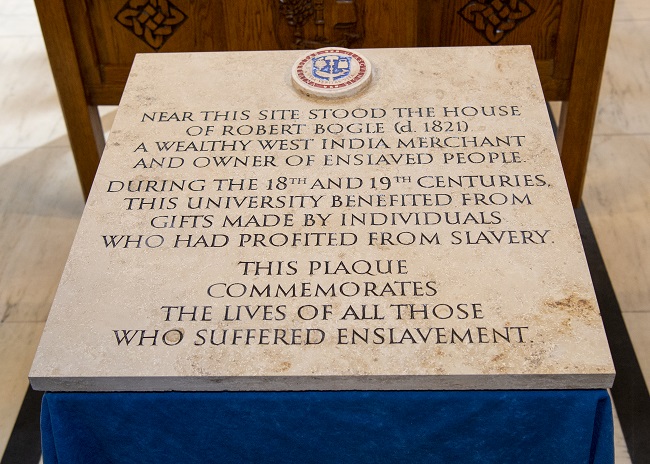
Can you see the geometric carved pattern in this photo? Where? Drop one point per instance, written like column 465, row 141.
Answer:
column 494, row 19
column 152, row 21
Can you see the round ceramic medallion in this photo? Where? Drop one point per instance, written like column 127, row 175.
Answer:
column 332, row 72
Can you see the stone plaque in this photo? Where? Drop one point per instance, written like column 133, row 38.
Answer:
column 242, row 235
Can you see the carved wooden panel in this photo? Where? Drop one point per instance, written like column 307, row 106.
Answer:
column 304, row 24
column 152, row 21
column 549, row 26
column 502, row 22
column 494, row 19
column 92, row 43
column 108, row 33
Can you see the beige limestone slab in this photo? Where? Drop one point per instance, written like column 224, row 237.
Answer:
column 27, row 76
column 507, row 293
column 40, row 206
column 19, row 26
column 631, row 10
column 617, row 198
column 624, row 93
column 18, row 341
column 638, row 326
column 17, row 7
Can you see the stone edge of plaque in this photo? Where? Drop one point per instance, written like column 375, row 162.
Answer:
column 453, row 382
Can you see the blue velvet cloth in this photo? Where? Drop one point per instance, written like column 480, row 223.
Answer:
column 329, row 427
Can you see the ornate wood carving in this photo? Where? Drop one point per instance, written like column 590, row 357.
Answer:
column 321, row 23
column 152, row 21
column 494, row 19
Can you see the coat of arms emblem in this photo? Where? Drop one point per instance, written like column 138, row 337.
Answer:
column 331, row 67
column 332, row 72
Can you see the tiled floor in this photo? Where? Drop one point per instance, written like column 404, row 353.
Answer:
column 41, row 202
column 617, row 191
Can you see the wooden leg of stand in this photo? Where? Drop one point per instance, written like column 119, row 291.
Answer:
column 87, row 144
column 579, row 112
column 81, row 119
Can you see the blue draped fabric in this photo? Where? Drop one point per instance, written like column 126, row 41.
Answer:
column 329, row 427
